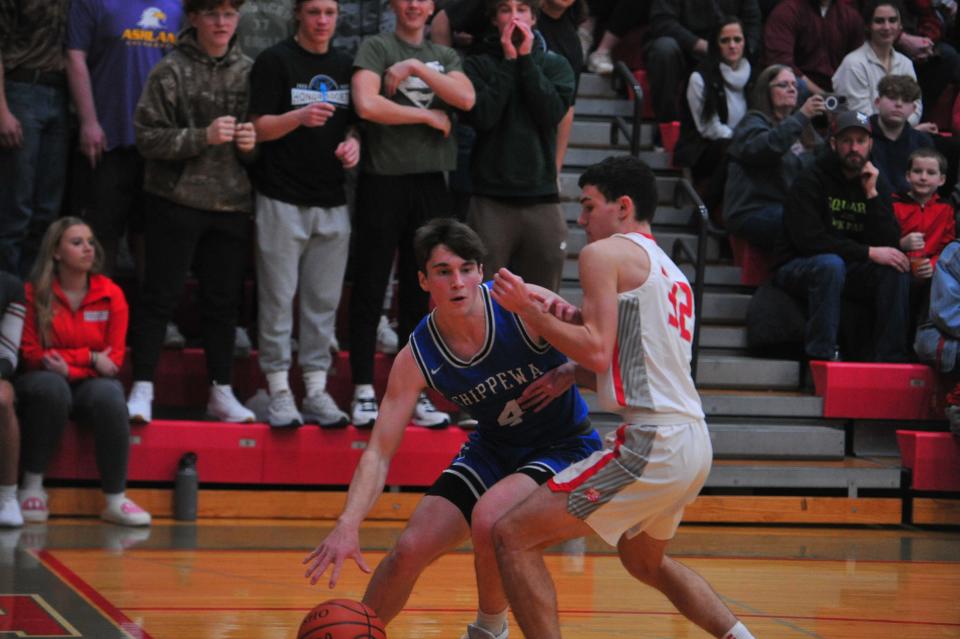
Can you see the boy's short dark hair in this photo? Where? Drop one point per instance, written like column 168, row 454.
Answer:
column 898, row 86
column 456, row 236
column 928, row 152
column 196, row 6
column 626, row 175
column 491, row 6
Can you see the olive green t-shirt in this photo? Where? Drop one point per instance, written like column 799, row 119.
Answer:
column 402, row 149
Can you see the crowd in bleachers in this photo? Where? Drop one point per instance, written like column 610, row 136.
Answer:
column 180, row 134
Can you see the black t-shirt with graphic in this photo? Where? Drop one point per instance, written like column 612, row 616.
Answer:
column 301, row 168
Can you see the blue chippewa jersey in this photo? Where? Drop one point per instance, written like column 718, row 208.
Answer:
column 488, row 384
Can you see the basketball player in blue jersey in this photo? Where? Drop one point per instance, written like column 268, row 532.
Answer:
column 532, row 423
column 632, row 339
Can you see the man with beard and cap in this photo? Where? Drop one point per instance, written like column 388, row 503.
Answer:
column 840, row 241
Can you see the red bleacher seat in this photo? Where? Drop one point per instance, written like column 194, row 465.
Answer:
column 641, row 76
column 756, row 266
column 934, row 459
column 257, row 454
column 860, row 390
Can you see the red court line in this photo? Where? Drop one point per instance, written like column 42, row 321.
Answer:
column 577, row 612
column 88, row 592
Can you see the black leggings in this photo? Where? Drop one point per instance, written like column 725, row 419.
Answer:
column 45, row 400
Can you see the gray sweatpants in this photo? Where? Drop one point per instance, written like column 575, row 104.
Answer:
column 306, row 246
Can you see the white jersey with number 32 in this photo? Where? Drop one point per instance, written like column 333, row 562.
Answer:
column 650, row 370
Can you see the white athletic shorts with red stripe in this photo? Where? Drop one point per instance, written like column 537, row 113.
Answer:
column 642, row 484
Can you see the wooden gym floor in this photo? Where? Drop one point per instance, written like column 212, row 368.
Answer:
column 223, row 579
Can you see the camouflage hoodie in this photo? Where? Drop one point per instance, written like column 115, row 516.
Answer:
column 185, row 92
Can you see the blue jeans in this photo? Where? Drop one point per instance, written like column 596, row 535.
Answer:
column 824, row 280
column 32, row 177
column 761, row 227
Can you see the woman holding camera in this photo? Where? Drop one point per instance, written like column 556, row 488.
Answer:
column 771, row 146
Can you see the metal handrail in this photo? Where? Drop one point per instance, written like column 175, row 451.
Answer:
column 619, row 124
column 705, row 229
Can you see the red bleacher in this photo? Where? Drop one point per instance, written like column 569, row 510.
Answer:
column 755, row 265
column 934, row 459
column 860, row 390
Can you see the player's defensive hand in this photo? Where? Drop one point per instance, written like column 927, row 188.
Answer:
column 510, row 292
column 333, row 551
column 547, row 387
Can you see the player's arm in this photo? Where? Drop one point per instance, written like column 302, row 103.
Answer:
column 403, row 388
column 591, row 343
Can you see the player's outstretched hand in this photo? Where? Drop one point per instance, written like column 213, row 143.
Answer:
column 547, row 387
column 510, row 292
column 337, row 547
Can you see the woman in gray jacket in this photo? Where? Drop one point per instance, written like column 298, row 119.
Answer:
column 772, row 144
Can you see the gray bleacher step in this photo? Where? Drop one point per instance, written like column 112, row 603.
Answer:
column 737, row 372
column 577, row 239
column 729, row 337
column 666, row 186
column 715, row 274
column 598, row 86
column 581, row 156
column 850, row 474
column 717, row 307
column 596, row 133
column 720, row 403
column 770, row 439
column 603, row 107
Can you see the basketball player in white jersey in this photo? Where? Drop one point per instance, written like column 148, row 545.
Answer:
column 632, row 343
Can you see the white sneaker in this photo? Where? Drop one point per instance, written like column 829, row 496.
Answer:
column 387, row 340
column 173, row 338
column 320, row 409
column 600, row 62
column 363, row 411
column 127, row 513
column 476, row 632
column 282, row 411
column 223, row 406
column 241, row 343
column 140, row 402
column 426, row 414
column 10, row 515
column 33, row 506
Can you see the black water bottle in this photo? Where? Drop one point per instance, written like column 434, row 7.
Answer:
column 185, row 489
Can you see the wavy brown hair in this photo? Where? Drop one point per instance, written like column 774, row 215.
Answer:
column 46, row 270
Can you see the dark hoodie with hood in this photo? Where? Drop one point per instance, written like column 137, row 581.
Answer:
column 186, row 91
column 519, row 105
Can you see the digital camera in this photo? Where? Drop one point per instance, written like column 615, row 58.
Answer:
column 833, row 102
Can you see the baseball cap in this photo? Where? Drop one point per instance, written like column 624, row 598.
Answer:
column 851, row 119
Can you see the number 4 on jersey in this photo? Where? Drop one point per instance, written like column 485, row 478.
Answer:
column 511, row 415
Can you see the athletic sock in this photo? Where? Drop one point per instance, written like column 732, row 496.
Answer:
column 277, row 382
column 362, row 390
column 114, row 500
column 739, row 631
column 315, row 382
column 493, row 623
column 32, row 482
column 8, row 492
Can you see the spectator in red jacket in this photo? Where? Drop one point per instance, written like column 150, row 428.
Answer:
column 812, row 37
column 927, row 223
column 73, row 346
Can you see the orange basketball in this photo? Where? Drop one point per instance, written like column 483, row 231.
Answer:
column 341, row 619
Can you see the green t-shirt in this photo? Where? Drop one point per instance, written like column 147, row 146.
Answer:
column 402, row 149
